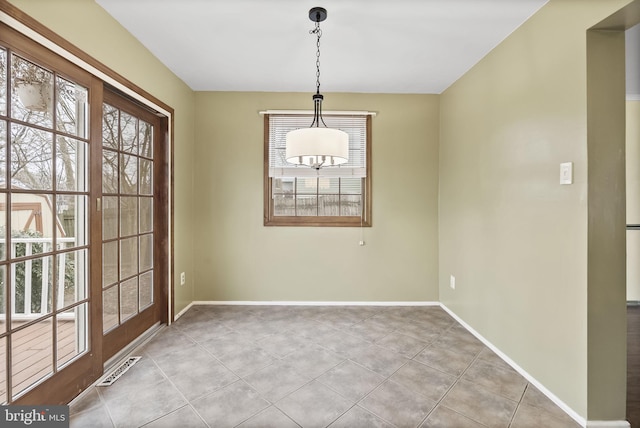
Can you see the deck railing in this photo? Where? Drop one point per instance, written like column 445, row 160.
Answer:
column 32, row 279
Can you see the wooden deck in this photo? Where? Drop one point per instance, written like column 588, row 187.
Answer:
column 32, row 357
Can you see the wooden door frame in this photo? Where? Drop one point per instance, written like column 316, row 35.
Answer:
column 89, row 366
column 120, row 336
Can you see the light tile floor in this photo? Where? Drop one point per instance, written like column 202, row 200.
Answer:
column 293, row 366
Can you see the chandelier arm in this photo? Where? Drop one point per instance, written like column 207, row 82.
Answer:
column 320, row 113
column 315, row 122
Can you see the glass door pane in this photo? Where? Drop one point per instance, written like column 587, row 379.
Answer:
column 44, row 194
column 127, row 216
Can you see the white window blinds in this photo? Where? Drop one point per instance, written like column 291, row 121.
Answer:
column 354, row 125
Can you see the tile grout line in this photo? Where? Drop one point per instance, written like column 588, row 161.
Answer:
column 240, row 378
column 344, row 329
column 513, row 417
column 328, row 370
column 106, row 407
column 179, row 392
column 458, row 379
column 388, row 378
column 475, row 359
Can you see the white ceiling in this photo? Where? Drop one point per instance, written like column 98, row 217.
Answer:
column 399, row 46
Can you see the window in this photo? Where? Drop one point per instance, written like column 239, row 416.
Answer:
column 302, row 196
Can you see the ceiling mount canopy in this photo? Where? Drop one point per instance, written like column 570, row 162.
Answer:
column 317, row 146
column 317, row 14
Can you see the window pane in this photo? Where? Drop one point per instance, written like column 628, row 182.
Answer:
column 109, row 217
column 284, row 205
column 307, row 205
column 110, row 309
column 146, row 177
column 351, row 205
column 31, row 158
column 109, row 172
column 129, row 174
column 32, row 93
column 146, row 290
column 283, row 185
column 307, row 185
column 31, row 355
column 329, row 205
column 72, row 334
column 71, row 165
column 3, row 154
column 145, row 137
column 3, row 308
column 128, row 216
column 128, row 299
column 71, row 284
column 305, row 193
column 328, row 185
column 33, row 286
column 26, row 228
column 128, row 257
column 351, row 186
column 110, row 126
column 109, row 263
column 3, row 227
column 3, row 370
column 71, row 225
column 128, row 128
column 71, row 108
column 146, row 252
column 146, row 214
column 3, row 98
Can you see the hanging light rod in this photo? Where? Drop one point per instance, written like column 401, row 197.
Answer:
column 317, row 146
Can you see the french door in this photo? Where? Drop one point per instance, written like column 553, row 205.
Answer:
column 133, row 188
column 83, row 223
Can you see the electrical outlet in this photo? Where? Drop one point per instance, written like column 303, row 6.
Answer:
column 183, row 278
column 452, row 282
column 361, row 243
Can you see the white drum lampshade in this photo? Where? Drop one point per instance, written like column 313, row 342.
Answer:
column 317, row 147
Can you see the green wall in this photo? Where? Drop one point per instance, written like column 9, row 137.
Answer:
column 237, row 258
column 517, row 241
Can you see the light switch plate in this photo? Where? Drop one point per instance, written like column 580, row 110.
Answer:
column 566, row 173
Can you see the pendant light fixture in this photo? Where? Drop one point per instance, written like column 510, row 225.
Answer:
column 317, row 146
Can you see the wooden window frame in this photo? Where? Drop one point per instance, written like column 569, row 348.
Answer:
column 318, row 221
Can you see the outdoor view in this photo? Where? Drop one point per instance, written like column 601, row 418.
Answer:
column 301, row 191
column 127, row 216
column 43, row 228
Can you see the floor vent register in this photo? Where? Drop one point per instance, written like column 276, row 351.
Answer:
column 119, row 371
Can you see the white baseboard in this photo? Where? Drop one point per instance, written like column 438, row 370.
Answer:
column 608, row 424
column 568, row 410
column 182, row 312
column 306, row 303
